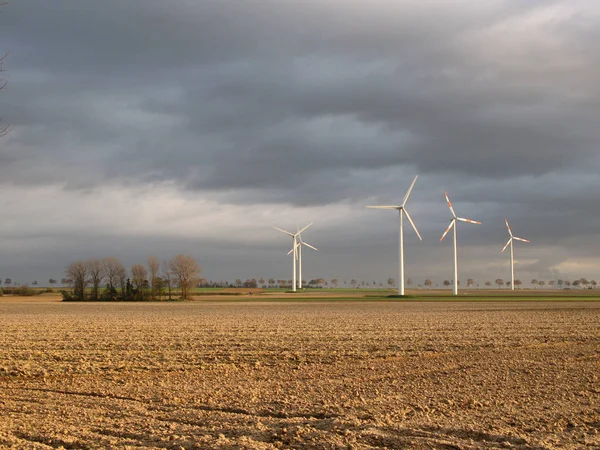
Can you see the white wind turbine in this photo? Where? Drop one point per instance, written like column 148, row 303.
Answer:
column 512, row 254
column 294, row 250
column 300, row 243
column 453, row 224
column 402, row 210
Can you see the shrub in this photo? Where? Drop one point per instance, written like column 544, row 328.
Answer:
column 24, row 291
column 68, row 296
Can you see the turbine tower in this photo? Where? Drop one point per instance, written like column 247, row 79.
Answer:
column 512, row 254
column 453, row 224
column 401, row 211
column 300, row 243
column 294, row 250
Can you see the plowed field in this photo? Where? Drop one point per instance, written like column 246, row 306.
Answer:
column 338, row 375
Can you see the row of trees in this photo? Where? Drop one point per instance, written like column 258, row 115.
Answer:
column 108, row 279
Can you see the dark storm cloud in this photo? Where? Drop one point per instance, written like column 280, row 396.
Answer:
column 232, row 95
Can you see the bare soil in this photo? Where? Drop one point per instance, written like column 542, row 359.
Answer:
column 339, row 375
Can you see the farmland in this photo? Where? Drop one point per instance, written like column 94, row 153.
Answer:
column 259, row 373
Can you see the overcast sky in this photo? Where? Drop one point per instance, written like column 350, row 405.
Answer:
column 145, row 127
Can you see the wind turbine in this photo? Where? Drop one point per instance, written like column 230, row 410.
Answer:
column 300, row 243
column 453, row 224
column 294, row 250
column 512, row 254
column 401, row 211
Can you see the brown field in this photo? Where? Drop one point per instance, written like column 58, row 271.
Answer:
column 300, row 375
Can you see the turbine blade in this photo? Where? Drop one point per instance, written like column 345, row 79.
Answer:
column 468, row 220
column 447, row 229
column 411, row 222
column 520, row 239
column 308, row 245
column 283, row 231
column 506, row 245
column 508, row 226
column 450, row 204
column 409, row 191
column 384, row 207
column 304, row 228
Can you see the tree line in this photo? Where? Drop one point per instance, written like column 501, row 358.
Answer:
column 107, row 279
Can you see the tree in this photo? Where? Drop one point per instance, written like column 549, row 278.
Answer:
column 408, row 281
column 34, row 283
column 353, row 282
column 261, row 281
column 542, row 283
column 335, row 282
column 428, row 283
column 96, row 276
column 560, row 283
column 391, row 282
column 488, row 283
column 499, row 282
column 238, row 282
column 470, row 282
column 115, row 276
column 507, row 284
column 186, row 271
column 594, row 283
column 575, row 283
column 534, row 281
column 585, row 282
column 271, row 282
column 139, row 278
column 8, row 282
column 78, row 272
column 167, row 276
column 154, row 268
column 447, row 283
column 52, row 281
column 518, row 283
column 551, row 284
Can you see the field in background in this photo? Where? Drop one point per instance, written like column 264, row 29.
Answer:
column 256, row 375
column 342, row 294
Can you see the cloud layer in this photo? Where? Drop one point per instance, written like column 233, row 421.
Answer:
column 148, row 127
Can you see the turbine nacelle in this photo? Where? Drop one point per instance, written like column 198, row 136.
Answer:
column 455, row 218
column 400, row 208
column 512, row 237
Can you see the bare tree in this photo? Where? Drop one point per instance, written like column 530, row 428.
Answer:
column 96, row 274
column 78, row 272
column 154, row 267
column 115, row 276
column 428, row 283
column 167, row 276
column 499, row 282
column 139, row 276
column 186, row 271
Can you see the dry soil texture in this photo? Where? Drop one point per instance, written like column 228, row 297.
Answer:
column 300, row 375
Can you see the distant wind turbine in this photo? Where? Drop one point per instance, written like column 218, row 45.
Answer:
column 512, row 254
column 401, row 211
column 300, row 243
column 453, row 224
column 294, row 250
